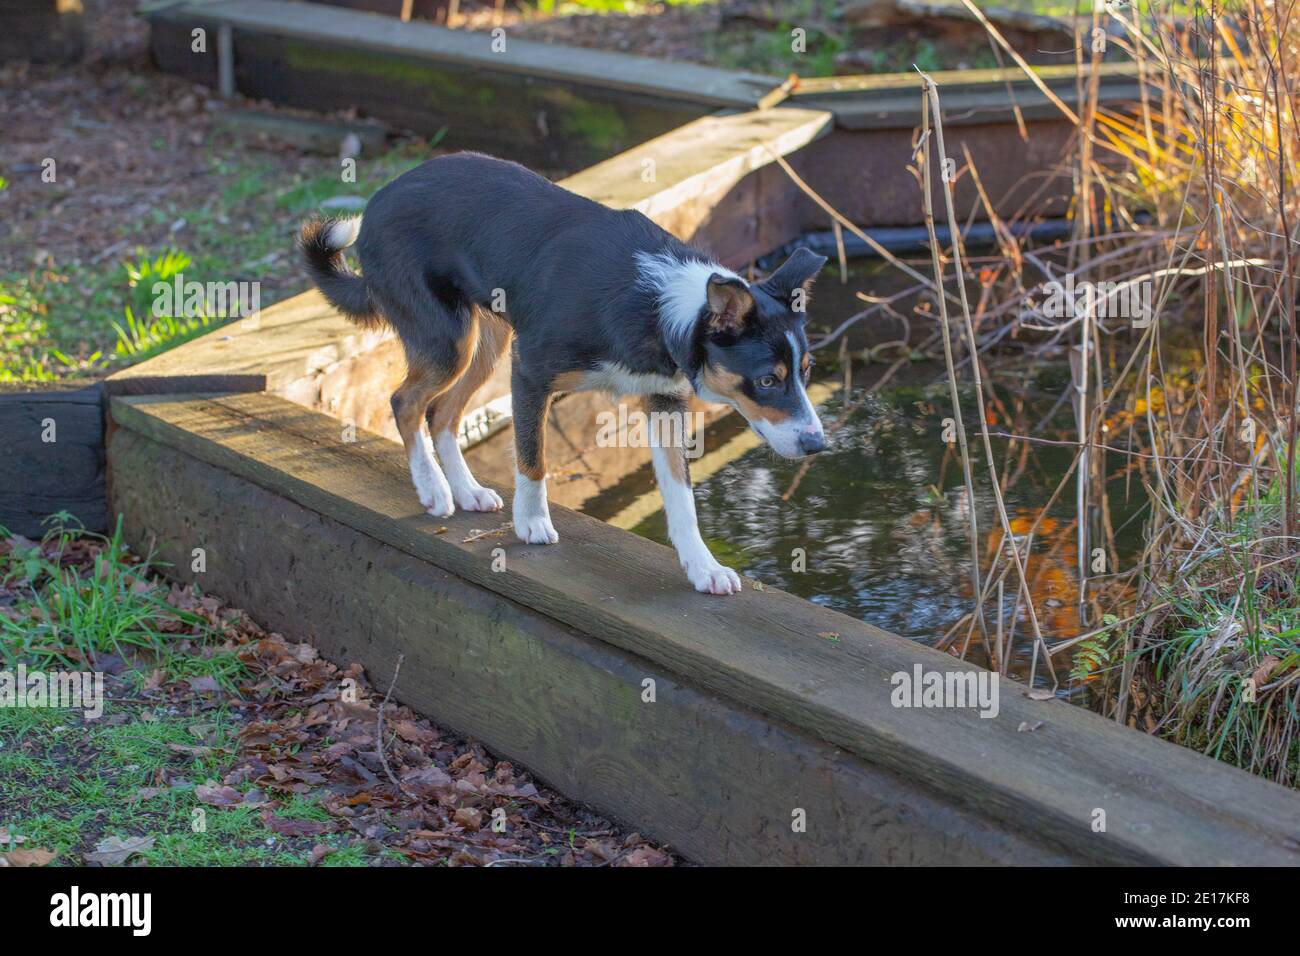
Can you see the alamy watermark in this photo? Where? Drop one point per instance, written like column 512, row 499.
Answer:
column 1129, row 300
column 179, row 298
column 634, row 428
column 69, row 690
column 963, row 688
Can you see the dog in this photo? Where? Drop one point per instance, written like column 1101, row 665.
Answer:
column 466, row 253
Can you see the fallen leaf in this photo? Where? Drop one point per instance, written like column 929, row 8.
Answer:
column 187, row 749
column 427, row 781
column 293, row 827
column 468, row 817
column 114, row 852
column 1265, row 668
column 319, row 852
column 31, row 857
column 218, row 796
column 646, row 856
column 412, row 733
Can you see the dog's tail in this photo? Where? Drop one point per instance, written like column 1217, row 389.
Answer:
column 322, row 242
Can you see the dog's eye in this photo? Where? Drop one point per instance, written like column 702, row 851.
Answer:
column 767, row 381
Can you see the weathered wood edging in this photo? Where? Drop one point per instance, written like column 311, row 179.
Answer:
column 544, row 103
column 826, row 674
column 51, row 456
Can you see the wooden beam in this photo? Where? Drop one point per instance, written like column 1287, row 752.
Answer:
column 679, row 179
column 823, row 672
column 891, row 101
column 314, row 23
column 717, row 780
column 51, row 456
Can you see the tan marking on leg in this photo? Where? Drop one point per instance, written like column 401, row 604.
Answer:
column 413, row 396
column 569, row 382
column 676, row 454
column 479, row 355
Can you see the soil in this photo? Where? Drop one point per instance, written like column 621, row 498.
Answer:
column 127, row 140
column 839, row 36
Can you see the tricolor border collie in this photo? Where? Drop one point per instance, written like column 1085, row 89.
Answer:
column 466, row 253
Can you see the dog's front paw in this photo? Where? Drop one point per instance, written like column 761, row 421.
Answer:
column 437, row 502
column 536, row 529
column 710, row 577
column 478, row 499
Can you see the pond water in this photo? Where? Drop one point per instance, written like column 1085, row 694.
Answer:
column 882, row 517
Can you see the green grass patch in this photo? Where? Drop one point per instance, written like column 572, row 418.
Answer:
column 78, row 317
column 66, row 784
column 70, row 615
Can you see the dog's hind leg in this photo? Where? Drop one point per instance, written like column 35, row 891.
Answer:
column 437, row 355
column 445, row 413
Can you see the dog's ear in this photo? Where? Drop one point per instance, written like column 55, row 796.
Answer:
column 793, row 281
column 730, row 303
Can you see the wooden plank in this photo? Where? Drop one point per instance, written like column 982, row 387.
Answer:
column 864, row 175
column 695, row 162
column 716, row 780
column 284, row 343
column 310, row 134
column 992, row 79
column 51, row 457
column 546, row 124
column 770, row 651
column 888, row 101
column 685, row 82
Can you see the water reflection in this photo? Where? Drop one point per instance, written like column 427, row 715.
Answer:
column 882, row 517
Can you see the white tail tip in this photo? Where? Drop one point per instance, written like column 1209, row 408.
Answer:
column 343, row 233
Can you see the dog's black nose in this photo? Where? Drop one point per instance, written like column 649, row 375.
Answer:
column 810, row 443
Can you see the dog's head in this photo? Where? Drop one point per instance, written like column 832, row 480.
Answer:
column 755, row 354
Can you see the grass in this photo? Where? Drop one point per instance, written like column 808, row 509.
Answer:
column 68, row 782
column 68, row 616
column 74, row 318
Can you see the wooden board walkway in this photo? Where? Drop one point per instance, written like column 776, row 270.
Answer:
column 816, row 670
